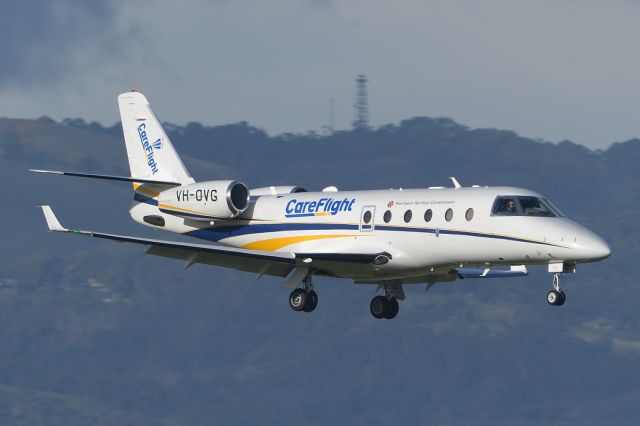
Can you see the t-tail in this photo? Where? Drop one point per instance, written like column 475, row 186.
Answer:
column 152, row 157
column 151, row 154
column 165, row 194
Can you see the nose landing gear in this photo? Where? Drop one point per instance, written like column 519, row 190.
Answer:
column 556, row 297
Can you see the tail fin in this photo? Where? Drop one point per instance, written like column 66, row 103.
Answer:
column 150, row 152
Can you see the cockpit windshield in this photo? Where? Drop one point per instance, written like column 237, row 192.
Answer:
column 505, row 206
column 524, row 206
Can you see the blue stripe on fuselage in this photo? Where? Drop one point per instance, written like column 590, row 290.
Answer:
column 464, row 233
column 222, row 232
column 144, row 199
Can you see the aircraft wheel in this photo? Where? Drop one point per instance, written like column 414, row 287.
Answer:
column 298, row 299
column 312, row 301
column 563, row 298
column 379, row 306
column 555, row 298
column 392, row 309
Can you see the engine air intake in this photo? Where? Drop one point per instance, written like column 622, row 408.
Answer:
column 238, row 197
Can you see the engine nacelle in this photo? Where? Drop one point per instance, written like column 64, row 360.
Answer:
column 276, row 190
column 217, row 199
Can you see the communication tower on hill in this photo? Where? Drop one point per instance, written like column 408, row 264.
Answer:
column 361, row 108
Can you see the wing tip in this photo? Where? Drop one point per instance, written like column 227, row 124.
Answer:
column 52, row 221
column 51, row 172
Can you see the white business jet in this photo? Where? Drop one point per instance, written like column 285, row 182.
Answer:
column 386, row 238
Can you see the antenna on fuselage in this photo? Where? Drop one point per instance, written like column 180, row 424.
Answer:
column 456, row 184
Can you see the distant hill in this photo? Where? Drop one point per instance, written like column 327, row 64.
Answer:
column 98, row 333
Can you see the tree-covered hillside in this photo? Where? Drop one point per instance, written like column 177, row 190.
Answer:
column 98, row 333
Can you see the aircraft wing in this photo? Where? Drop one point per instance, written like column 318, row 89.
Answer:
column 261, row 262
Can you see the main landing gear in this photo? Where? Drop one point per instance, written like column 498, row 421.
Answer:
column 556, row 297
column 305, row 298
column 381, row 307
column 387, row 306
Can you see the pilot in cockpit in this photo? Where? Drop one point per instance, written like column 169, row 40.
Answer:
column 505, row 206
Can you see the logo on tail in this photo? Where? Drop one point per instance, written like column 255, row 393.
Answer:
column 149, row 147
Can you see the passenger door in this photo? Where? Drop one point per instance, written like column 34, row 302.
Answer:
column 367, row 218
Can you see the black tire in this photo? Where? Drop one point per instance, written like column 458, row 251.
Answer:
column 554, row 297
column 312, row 301
column 379, row 307
column 392, row 309
column 298, row 299
column 563, row 298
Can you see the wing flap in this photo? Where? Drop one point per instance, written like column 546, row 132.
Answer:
column 247, row 264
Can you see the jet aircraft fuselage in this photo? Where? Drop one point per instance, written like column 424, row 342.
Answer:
column 384, row 237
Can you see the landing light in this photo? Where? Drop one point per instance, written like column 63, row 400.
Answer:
column 381, row 260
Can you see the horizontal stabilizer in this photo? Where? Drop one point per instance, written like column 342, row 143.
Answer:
column 514, row 271
column 107, row 177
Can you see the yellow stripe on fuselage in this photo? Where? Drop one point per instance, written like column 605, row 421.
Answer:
column 138, row 187
column 180, row 209
column 274, row 244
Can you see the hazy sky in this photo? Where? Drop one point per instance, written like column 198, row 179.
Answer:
column 549, row 69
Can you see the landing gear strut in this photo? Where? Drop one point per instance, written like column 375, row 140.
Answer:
column 304, row 298
column 556, row 297
column 385, row 306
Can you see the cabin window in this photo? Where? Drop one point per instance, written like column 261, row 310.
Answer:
column 407, row 216
column 387, row 216
column 428, row 215
column 367, row 216
column 468, row 215
column 449, row 215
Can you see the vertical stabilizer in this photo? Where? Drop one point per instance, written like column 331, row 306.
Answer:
column 149, row 150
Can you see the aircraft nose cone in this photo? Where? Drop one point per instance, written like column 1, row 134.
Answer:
column 595, row 248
